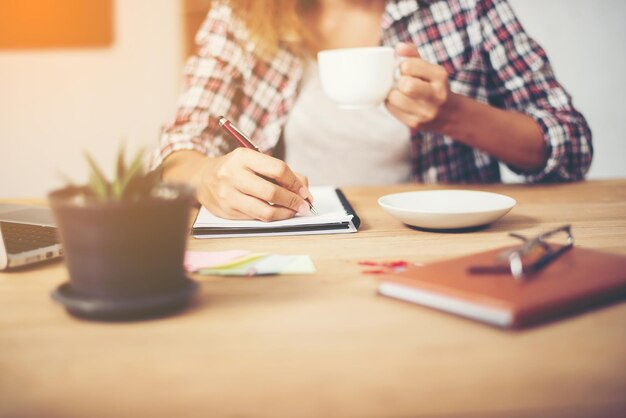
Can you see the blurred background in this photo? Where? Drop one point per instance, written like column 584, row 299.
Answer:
column 116, row 76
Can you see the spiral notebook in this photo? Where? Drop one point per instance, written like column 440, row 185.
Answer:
column 335, row 216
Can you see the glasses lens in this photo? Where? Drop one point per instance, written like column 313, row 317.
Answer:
column 559, row 238
column 539, row 251
column 532, row 256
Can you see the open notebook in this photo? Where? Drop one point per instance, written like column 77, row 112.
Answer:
column 335, row 216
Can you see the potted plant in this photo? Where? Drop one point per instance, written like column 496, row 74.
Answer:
column 124, row 243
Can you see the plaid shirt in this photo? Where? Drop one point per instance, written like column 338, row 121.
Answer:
column 480, row 43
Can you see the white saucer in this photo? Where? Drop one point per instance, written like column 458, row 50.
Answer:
column 447, row 209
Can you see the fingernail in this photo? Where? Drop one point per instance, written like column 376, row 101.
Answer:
column 304, row 209
column 303, row 193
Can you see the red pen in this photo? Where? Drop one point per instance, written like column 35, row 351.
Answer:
column 247, row 143
column 237, row 134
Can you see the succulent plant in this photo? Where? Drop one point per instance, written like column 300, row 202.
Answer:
column 132, row 180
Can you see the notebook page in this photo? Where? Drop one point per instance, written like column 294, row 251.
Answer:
column 325, row 200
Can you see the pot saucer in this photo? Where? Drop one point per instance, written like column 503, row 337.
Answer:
column 124, row 309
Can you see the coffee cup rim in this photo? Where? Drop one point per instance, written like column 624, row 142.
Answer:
column 355, row 49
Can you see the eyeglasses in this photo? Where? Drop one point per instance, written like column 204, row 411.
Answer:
column 532, row 255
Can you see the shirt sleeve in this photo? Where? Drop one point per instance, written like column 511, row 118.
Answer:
column 212, row 79
column 520, row 78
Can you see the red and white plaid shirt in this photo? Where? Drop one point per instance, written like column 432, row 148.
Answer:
column 480, row 43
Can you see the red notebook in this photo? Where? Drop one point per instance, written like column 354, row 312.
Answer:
column 578, row 279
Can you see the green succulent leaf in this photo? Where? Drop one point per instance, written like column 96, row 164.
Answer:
column 132, row 181
column 132, row 176
column 97, row 180
column 121, row 163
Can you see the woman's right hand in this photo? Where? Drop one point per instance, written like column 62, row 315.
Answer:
column 242, row 183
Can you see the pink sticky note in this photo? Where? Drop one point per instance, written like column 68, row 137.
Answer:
column 195, row 260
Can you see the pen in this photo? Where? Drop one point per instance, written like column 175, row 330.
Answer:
column 237, row 134
column 247, row 143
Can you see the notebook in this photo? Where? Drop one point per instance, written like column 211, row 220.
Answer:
column 578, row 279
column 27, row 235
column 335, row 216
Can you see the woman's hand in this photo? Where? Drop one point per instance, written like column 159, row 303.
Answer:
column 421, row 96
column 422, row 100
column 241, row 185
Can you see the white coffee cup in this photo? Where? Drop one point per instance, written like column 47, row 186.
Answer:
column 356, row 78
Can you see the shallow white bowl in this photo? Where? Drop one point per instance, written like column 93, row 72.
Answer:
column 447, row 209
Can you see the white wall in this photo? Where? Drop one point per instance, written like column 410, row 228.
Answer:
column 54, row 104
column 585, row 43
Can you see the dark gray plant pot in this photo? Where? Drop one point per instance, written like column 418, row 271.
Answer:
column 124, row 251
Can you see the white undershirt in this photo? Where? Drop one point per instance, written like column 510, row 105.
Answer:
column 344, row 147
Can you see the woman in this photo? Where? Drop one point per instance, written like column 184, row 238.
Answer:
column 474, row 90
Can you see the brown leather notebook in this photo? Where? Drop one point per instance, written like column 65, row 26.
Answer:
column 578, row 279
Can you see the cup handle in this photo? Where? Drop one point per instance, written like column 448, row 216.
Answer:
column 398, row 60
column 396, row 72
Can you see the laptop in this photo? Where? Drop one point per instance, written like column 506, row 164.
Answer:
column 28, row 235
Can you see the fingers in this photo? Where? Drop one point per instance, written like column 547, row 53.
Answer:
column 405, row 49
column 417, row 67
column 421, row 91
column 421, row 107
column 266, row 191
column 247, row 184
column 409, row 118
column 279, row 172
column 414, row 69
column 230, row 203
column 421, row 79
column 274, row 169
column 415, row 88
column 249, row 207
column 305, row 180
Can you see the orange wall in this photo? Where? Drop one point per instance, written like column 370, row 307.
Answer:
column 56, row 23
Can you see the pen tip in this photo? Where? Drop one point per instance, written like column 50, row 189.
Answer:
column 312, row 209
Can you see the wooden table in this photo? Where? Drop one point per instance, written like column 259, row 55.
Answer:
column 326, row 345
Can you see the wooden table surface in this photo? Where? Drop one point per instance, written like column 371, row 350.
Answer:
column 326, row 345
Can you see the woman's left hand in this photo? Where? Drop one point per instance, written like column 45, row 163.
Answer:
column 421, row 95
